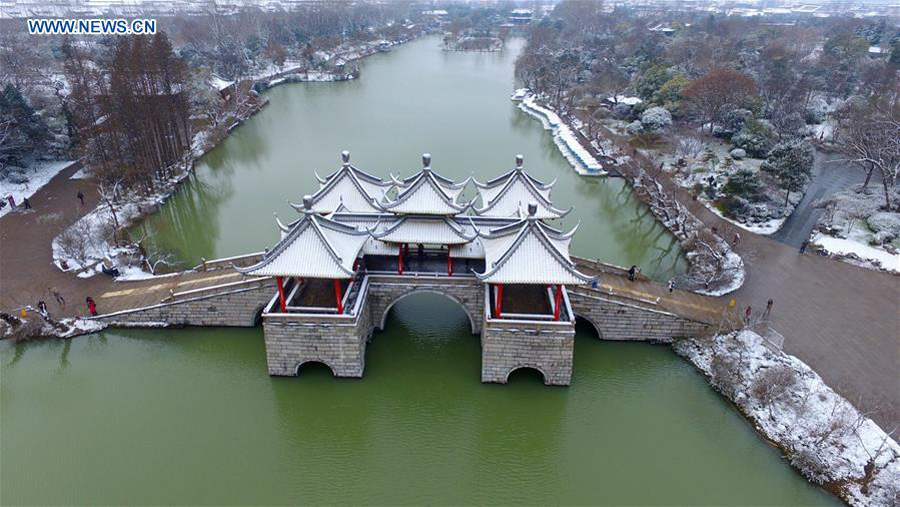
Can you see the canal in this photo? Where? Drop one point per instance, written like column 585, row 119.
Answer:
column 191, row 417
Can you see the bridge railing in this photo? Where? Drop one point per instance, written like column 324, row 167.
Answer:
column 227, row 262
column 204, row 291
column 605, row 267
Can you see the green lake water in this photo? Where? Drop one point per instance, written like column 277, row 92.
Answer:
column 190, row 416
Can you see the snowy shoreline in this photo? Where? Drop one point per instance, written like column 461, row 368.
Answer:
column 822, row 434
column 566, row 140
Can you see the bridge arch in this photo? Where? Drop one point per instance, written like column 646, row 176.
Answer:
column 590, row 321
column 305, row 362
column 532, row 367
column 388, row 302
column 256, row 316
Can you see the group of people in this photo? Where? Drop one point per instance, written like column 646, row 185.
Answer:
column 748, row 313
column 61, row 301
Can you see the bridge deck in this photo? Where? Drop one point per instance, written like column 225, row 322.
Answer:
column 612, row 283
column 143, row 293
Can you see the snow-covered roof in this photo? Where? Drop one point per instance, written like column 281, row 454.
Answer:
column 529, row 252
column 622, row 99
column 348, row 189
column 427, row 193
column 509, row 194
column 426, row 230
column 312, row 247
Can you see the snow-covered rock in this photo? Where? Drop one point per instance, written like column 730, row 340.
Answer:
column 738, row 154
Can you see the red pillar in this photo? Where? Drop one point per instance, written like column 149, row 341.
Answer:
column 499, row 299
column 449, row 262
column 337, row 296
column 400, row 260
column 558, row 299
column 280, row 281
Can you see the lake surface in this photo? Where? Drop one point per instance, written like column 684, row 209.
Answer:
column 190, row 416
column 415, row 99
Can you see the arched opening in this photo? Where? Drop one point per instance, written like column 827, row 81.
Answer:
column 526, row 375
column 429, row 335
column 384, row 316
column 314, row 369
column 257, row 315
column 586, row 327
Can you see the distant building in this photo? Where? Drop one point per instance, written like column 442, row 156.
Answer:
column 520, row 16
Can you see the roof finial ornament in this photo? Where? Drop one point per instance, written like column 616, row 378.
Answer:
column 532, row 210
column 520, row 159
column 307, row 204
column 426, row 161
column 345, row 156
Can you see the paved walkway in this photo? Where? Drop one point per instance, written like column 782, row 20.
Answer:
column 26, row 258
column 842, row 320
column 828, row 178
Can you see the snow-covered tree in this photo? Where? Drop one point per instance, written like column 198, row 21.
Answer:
column 656, row 118
column 790, row 164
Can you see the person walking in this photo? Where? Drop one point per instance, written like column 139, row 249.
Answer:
column 768, row 309
column 92, row 306
column 26, row 203
column 803, row 246
column 631, row 272
column 671, row 284
column 57, row 296
column 747, row 313
column 736, row 240
column 42, row 307
column 80, row 197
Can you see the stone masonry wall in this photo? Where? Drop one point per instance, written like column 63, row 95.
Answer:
column 544, row 346
column 386, row 290
column 236, row 308
column 621, row 321
column 337, row 342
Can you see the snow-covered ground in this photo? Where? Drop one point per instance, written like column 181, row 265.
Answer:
column 856, row 243
column 765, row 228
column 581, row 159
column 733, row 264
column 823, row 435
column 38, row 174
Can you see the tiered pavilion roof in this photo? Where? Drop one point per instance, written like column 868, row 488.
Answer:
column 509, row 194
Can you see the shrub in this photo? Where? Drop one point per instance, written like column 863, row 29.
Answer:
column 732, row 206
column 744, row 183
column 755, row 138
column 656, row 118
column 634, row 128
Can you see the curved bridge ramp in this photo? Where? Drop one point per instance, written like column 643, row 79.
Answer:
column 643, row 310
column 212, row 294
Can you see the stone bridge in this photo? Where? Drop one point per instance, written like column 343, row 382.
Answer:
column 214, row 294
